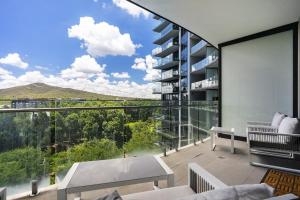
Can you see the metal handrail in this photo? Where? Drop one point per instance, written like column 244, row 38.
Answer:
column 18, row 110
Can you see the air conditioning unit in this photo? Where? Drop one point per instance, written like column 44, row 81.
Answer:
column 2, row 193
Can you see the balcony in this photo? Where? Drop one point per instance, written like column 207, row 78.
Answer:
column 167, row 48
column 169, row 89
column 168, row 32
column 210, row 61
column 167, row 62
column 194, row 37
column 156, row 90
column 170, row 76
column 43, row 143
column 162, row 24
column 199, row 49
column 207, row 84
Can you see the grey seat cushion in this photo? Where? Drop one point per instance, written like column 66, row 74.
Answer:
column 162, row 194
column 277, row 119
column 289, row 125
column 239, row 192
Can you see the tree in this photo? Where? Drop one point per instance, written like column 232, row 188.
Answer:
column 87, row 151
column 144, row 137
column 73, row 128
column 113, row 126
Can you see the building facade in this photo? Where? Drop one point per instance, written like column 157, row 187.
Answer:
column 189, row 75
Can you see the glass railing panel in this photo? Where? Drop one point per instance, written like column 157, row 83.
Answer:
column 25, row 146
column 205, row 62
column 169, row 74
column 166, row 30
column 198, row 46
column 169, row 28
column 166, row 60
column 211, row 82
column 171, row 42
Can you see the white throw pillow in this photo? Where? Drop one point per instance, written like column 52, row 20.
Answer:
column 277, row 119
column 239, row 192
column 289, row 125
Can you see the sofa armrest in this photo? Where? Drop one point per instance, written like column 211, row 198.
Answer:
column 201, row 180
column 254, row 123
column 261, row 128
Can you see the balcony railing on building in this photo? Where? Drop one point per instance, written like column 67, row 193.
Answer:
column 209, row 61
column 167, row 62
column 211, row 83
column 169, row 75
column 169, row 89
column 167, row 48
column 168, row 32
column 162, row 23
column 198, row 47
column 156, row 90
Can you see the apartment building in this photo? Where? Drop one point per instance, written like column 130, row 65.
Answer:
column 189, row 75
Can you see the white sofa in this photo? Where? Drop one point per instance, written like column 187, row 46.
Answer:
column 209, row 187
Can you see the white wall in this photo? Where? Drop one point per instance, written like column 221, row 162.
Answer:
column 257, row 80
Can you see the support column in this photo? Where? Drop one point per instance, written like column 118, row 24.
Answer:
column 299, row 68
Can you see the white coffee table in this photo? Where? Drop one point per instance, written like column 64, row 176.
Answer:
column 226, row 131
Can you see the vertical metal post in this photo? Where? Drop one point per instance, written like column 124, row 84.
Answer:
column 179, row 93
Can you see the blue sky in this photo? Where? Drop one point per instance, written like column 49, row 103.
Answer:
column 101, row 46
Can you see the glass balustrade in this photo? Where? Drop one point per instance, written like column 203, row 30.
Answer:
column 166, row 60
column 198, row 46
column 42, row 143
column 171, row 42
column 205, row 62
column 212, row 82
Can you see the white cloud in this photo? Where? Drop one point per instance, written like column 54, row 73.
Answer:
column 121, row 75
column 131, row 9
column 83, row 67
column 4, row 72
column 15, row 60
column 146, row 64
column 139, row 64
column 102, row 39
column 86, row 64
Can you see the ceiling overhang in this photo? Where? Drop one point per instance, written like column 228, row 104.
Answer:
column 219, row 21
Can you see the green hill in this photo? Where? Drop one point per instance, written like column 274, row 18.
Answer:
column 44, row 91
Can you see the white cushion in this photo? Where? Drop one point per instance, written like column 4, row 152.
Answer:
column 277, row 119
column 162, row 194
column 241, row 192
column 289, row 125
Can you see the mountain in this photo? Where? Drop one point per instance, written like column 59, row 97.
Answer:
column 41, row 91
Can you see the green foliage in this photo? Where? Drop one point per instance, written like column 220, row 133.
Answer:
column 87, row 151
column 37, row 144
column 21, row 165
column 144, row 137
